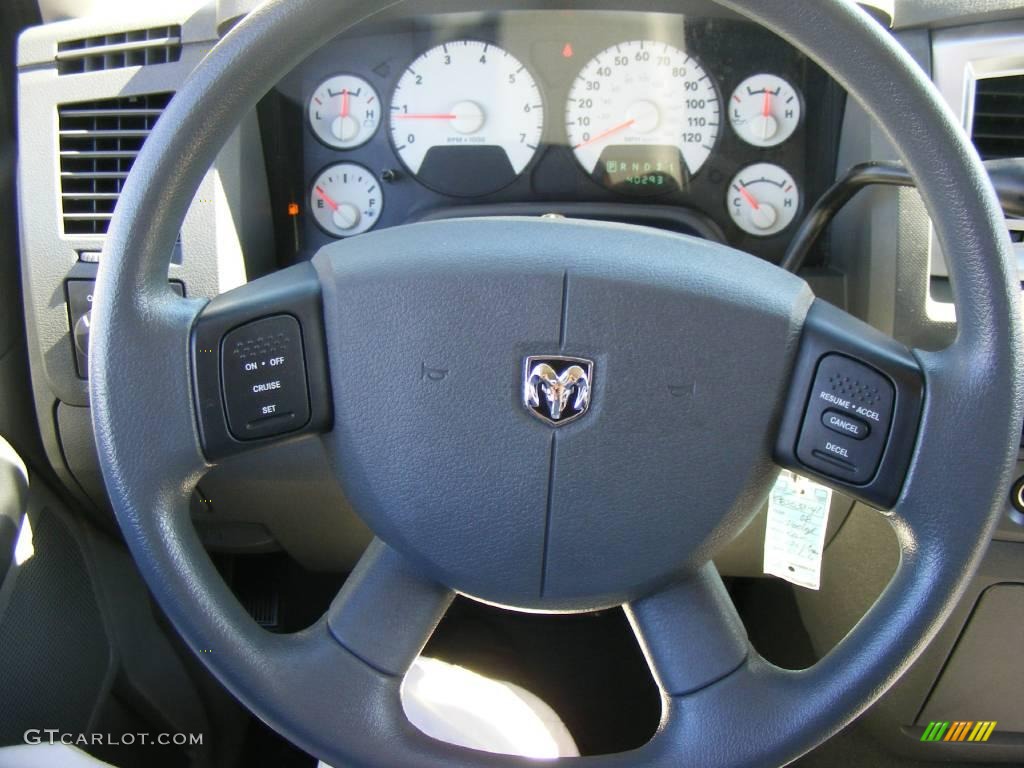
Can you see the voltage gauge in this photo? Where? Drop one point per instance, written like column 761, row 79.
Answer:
column 763, row 199
column 346, row 199
column 344, row 111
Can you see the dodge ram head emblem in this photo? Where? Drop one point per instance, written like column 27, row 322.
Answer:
column 557, row 389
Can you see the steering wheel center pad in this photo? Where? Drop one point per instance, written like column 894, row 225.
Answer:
column 428, row 327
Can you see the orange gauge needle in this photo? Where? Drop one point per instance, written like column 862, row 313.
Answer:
column 606, row 134
column 326, row 198
column 344, row 103
column 766, row 107
column 750, row 198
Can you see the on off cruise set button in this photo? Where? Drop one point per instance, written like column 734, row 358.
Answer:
column 263, row 371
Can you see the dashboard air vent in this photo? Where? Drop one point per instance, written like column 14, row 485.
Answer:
column 998, row 127
column 99, row 141
column 158, row 45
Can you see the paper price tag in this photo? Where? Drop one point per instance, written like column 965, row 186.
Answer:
column 795, row 535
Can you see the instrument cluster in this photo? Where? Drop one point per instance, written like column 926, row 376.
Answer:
column 719, row 127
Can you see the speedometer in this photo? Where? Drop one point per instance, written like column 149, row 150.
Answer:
column 642, row 117
column 466, row 118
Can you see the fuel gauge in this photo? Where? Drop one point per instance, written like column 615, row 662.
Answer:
column 763, row 199
column 345, row 199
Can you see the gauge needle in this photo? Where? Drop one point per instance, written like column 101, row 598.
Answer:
column 344, row 103
column 750, row 198
column 766, row 106
column 606, row 134
column 406, row 116
column 326, row 198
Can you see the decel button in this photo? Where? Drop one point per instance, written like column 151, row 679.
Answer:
column 845, row 424
column 264, row 378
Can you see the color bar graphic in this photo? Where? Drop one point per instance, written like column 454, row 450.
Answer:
column 959, row 730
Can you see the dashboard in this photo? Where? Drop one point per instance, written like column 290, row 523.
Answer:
column 699, row 124
column 670, row 76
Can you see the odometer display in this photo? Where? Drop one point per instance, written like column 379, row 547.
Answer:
column 643, row 117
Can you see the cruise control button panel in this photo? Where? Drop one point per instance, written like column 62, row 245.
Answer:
column 263, row 372
column 259, row 357
column 847, row 421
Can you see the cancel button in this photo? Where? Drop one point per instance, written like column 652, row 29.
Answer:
column 844, row 424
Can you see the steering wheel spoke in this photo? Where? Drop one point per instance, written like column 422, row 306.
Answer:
column 387, row 610
column 690, row 632
column 854, row 407
column 260, row 364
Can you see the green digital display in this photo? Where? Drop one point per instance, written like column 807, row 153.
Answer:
column 641, row 169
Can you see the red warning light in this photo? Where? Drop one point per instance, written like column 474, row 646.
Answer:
column 567, row 51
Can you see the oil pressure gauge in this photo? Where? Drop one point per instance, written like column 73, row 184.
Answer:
column 764, row 110
column 763, row 199
column 344, row 111
column 345, row 199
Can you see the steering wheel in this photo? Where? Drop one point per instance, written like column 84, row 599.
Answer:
column 404, row 350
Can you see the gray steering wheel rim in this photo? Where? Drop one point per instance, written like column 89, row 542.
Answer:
column 151, row 457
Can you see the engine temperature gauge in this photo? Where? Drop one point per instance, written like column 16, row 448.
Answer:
column 764, row 110
column 344, row 111
column 346, row 200
column 763, row 199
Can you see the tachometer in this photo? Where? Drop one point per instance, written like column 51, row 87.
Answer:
column 466, row 118
column 642, row 117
